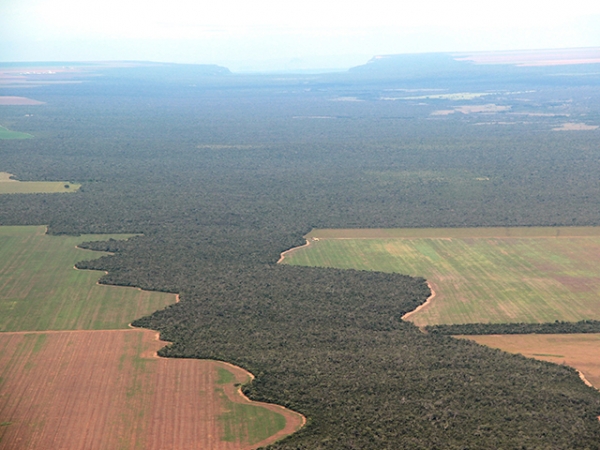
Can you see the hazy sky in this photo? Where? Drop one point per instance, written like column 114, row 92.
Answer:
column 282, row 34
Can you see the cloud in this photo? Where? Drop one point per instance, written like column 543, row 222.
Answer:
column 203, row 31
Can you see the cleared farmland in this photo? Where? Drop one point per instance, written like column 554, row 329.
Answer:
column 10, row 186
column 67, row 386
column 479, row 275
column 40, row 290
column 6, row 100
column 581, row 351
column 7, row 134
column 107, row 390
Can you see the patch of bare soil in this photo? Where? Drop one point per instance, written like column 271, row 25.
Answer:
column 287, row 252
column 580, row 351
column 6, row 177
column 572, row 126
column 423, row 305
column 470, row 109
column 9, row 100
column 107, row 389
column 489, row 108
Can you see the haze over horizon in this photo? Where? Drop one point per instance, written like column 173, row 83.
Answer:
column 268, row 35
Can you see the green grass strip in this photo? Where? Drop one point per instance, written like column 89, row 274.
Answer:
column 247, row 423
column 6, row 134
column 224, row 376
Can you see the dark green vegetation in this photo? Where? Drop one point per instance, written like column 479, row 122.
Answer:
column 221, row 174
column 558, row 327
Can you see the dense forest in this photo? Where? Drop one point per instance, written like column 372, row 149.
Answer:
column 220, row 173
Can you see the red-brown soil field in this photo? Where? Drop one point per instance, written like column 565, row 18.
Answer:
column 108, row 390
column 11, row 100
column 581, row 351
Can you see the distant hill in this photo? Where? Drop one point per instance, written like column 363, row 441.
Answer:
column 41, row 72
column 423, row 66
column 409, row 64
column 191, row 69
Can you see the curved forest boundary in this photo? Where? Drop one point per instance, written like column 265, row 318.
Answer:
column 489, row 275
column 107, row 390
column 39, row 290
column 581, row 351
column 10, row 186
column 67, row 381
column 494, row 273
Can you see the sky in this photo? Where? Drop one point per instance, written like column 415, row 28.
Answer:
column 281, row 35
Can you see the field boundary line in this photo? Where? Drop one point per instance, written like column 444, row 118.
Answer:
column 236, row 395
column 293, row 249
column 369, row 238
column 586, row 381
column 405, row 316
column 422, row 305
column 3, row 333
column 456, row 233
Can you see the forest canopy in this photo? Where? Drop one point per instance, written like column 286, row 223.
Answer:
column 220, row 173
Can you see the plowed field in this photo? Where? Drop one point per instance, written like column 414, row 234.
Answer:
column 107, row 390
column 581, row 351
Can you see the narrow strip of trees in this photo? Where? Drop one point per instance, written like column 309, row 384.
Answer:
column 558, row 327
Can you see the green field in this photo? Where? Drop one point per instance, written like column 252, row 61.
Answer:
column 9, row 186
column 243, row 422
column 224, row 376
column 5, row 133
column 41, row 290
column 484, row 275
